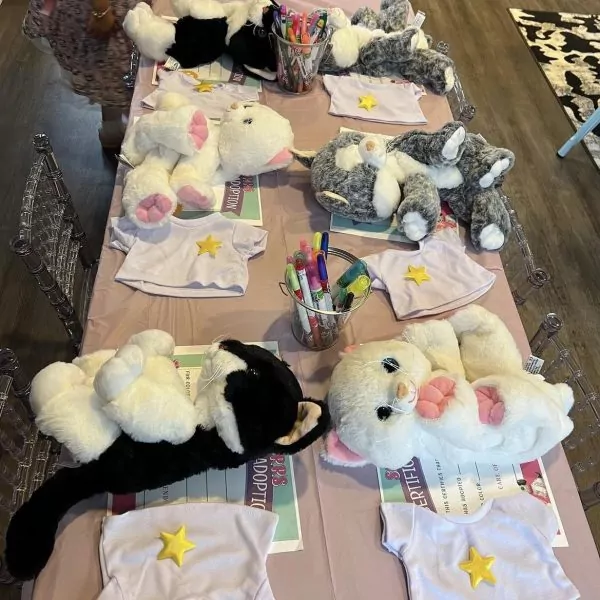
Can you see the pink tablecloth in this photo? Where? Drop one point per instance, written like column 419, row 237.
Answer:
column 342, row 556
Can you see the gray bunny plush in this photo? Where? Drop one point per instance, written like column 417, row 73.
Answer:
column 368, row 178
column 383, row 46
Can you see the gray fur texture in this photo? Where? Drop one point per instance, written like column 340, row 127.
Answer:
column 393, row 16
column 420, row 195
column 426, row 147
column 470, row 202
column 356, row 186
column 488, row 208
column 391, row 56
column 476, row 160
column 365, row 16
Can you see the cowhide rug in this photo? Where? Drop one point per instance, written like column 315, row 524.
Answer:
column 566, row 47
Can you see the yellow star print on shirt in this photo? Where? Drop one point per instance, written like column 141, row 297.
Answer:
column 204, row 86
column 208, row 245
column 417, row 274
column 175, row 545
column 368, row 102
column 478, row 567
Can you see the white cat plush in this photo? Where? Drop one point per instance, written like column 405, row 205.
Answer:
column 178, row 155
column 452, row 389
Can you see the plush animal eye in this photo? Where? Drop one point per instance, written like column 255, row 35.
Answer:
column 260, row 32
column 248, row 121
column 384, row 413
column 390, row 364
column 253, row 372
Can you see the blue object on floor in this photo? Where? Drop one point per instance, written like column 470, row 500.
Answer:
column 578, row 136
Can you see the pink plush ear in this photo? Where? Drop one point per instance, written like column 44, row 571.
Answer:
column 491, row 405
column 347, row 350
column 283, row 157
column 337, row 453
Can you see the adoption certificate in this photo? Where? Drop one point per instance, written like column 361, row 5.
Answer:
column 451, row 488
column 265, row 483
column 238, row 200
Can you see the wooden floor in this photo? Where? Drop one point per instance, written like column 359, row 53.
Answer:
column 557, row 200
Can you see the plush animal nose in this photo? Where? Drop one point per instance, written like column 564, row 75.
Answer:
column 406, row 396
column 234, row 106
column 402, row 390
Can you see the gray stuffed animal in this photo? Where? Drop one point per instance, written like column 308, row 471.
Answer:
column 382, row 46
column 368, row 178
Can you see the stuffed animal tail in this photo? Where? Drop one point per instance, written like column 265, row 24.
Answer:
column 304, row 158
column 31, row 531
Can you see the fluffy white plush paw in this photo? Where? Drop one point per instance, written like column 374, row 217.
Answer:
column 414, row 226
column 154, row 342
column 491, row 237
column 454, row 143
column 148, row 199
column 497, row 169
column 450, row 78
column 196, row 194
column 152, row 34
column 119, row 372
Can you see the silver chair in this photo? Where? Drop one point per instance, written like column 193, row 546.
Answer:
column 560, row 364
column 462, row 109
column 52, row 244
column 27, row 457
column 525, row 275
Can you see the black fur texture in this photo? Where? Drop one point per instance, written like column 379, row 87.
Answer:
column 198, row 41
column 265, row 401
column 253, row 46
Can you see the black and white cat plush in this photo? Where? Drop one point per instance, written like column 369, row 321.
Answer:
column 206, row 29
column 126, row 417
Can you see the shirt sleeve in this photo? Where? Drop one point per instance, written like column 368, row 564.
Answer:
column 531, row 511
column 398, row 525
column 123, row 234
column 329, row 81
column 373, row 263
column 249, row 241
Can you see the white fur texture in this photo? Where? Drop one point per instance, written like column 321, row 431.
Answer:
column 153, row 176
column 404, row 165
column 347, row 42
column 168, row 159
column 348, row 157
column 68, row 409
column 251, row 134
column 152, row 34
column 145, row 394
column 360, row 385
column 138, row 390
column 199, row 9
column 212, row 410
column 535, row 411
column 486, row 345
column 386, row 194
column 414, row 226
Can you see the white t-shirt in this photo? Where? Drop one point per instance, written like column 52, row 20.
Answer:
column 396, row 103
column 166, row 261
column 213, row 102
column 453, row 278
column 228, row 560
column 516, row 530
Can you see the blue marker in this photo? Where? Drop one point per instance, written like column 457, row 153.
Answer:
column 325, row 243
